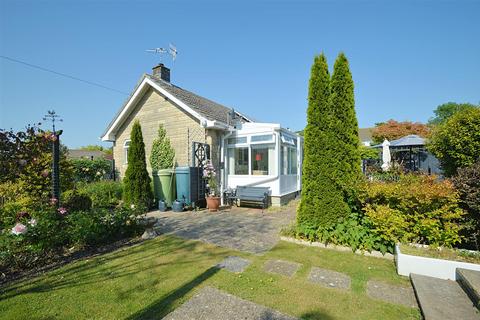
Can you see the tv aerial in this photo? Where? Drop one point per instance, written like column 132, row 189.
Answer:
column 172, row 51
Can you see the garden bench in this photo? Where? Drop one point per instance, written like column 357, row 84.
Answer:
column 253, row 194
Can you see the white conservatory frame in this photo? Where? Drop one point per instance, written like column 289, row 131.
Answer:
column 281, row 172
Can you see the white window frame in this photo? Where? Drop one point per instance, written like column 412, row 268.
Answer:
column 126, row 146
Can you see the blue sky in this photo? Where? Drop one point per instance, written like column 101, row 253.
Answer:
column 406, row 58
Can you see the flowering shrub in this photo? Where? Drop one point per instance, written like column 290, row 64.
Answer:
column 210, row 175
column 86, row 170
column 38, row 235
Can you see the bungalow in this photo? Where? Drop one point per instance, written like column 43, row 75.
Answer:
column 248, row 153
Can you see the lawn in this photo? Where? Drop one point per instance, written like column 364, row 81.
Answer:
column 151, row 279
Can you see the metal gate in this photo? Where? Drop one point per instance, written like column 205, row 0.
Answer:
column 200, row 153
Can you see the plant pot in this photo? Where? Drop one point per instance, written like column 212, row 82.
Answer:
column 213, row 203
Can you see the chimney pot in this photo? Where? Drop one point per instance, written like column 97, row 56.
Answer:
column 161, row 72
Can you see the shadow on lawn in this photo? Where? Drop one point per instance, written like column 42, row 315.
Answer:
column 316, row 315
column 164, row 305
column 104, row 268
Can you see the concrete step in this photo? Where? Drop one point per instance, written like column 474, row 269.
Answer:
column 442, row 299
column 469, row 280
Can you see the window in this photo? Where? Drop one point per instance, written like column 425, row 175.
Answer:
column 288, row 156
column 237, row 140
column 238, row 161
column 262, row 138
column 263, row 160
column 288, row 140
column 126, row 146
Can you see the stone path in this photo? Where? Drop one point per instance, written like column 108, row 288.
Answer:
column 329, row 278
column 392, row 294
column 213, row 304
column 242, row 229
column 282, row 267
column 234, row 264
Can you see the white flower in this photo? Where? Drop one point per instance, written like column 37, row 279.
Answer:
column 19, row 229
column 132, row 206
column 32, row 222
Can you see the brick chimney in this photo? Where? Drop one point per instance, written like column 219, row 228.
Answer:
column 161, row 72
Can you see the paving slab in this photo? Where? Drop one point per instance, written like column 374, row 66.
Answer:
column 329, row 278
column 442, row 299
column 286, row 268
column 213, row 304
column 234, row 264
column 393, row 294
column 242, row 229
column 469, row 280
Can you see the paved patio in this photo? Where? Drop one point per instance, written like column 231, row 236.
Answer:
column 243, row 229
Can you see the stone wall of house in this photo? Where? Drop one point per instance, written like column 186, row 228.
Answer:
column 152, row 110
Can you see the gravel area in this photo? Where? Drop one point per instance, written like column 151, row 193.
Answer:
column 234, row 264
column 243, row 229
column 390, row 293
column 329, row 278
column 285, row 268
column 213, row 304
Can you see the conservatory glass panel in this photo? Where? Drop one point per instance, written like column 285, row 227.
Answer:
column 237, row 140
column 238, row 161
column 262, row 138
column 263, row 160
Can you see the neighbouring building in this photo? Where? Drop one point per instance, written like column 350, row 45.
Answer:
column 246, row 152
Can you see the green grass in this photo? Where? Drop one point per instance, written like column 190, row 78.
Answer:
column 442, row 253
column 152, row 279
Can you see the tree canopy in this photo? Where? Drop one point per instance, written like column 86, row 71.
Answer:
column 393, row 129
column 456, row 142
column 446, row 110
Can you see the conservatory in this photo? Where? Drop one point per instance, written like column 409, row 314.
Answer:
column 263, row 155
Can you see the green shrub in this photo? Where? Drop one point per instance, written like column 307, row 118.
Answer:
column 101, row 226
column 353, row 231
column 467, row 183
column 456, row 142
column 74, row 200
column 137, row 190
column 86, row 170
column 416, row 209
column 162, row 155
column 49, row 233
column 104, row 194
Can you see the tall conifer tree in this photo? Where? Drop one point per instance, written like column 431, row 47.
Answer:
column 137, row 189
column 345, row 128
column 322, row 201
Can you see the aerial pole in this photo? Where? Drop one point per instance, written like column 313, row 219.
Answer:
column 52, row 116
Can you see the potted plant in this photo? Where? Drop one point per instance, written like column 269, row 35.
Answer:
column 210, row 175
column 162, row 160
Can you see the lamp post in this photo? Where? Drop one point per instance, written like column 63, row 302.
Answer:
column 52, row 116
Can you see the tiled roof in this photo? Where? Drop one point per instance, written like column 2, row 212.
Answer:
column 86, row 154
column 203, row 106
column 365, row 134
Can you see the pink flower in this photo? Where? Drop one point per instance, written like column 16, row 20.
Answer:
column 63, row 211
column 19, row 229
column 53, row 201
column 45, row 173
